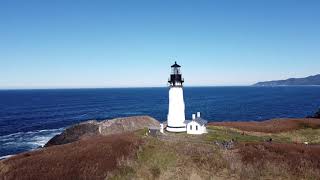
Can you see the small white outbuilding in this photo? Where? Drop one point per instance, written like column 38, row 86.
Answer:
column 197, row 125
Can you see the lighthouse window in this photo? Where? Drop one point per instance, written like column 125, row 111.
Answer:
column 196, row 128
column 190, row 127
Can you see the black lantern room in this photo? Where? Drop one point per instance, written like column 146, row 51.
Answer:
column 176, row 79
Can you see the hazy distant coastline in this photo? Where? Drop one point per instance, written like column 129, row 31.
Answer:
column 307, row 81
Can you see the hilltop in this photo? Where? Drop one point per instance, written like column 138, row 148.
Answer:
column 230, row 150
column 307, row 81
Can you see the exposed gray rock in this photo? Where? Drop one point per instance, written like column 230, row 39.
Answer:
column 227, row 145
column 317, row 114
column 128, row 124
column 106, row 127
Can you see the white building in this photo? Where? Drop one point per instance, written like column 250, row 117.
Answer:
column 176, row 121
column 197, row 125
column 176, row 115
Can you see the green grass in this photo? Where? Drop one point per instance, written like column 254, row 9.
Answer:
column 216, row 133
column 153, row 158
column 124, row 173
column 155, row 154
column 158, row 159
column 141, row 132
column 302, row 135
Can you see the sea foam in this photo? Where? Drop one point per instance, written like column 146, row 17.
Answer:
column 25, row 141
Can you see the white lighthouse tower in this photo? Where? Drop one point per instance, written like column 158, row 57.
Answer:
column 176, row 114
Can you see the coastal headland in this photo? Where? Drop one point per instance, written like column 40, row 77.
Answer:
column 123, row 149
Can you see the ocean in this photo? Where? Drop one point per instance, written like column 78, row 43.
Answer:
column 29, row 118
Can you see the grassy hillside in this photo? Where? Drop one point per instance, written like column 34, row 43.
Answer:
column 179, row 156
column 272, row 126
column 91, row 158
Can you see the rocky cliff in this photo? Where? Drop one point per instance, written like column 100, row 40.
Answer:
column 280, row 148
column 106, row 127
column 316, row 115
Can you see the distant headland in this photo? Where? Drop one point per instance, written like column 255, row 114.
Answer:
column 307, row 81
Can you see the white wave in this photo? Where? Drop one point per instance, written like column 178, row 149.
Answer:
column 26, row 141
column 31, row 132
column 5, row 157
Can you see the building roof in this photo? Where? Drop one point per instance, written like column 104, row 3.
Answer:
column 175, row 64
column 200, row 121
column 187, row 121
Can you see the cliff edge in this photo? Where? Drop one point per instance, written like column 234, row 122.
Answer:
column 106, row 127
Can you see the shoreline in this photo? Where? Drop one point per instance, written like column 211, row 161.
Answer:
column 266, row 126
column 123, row 148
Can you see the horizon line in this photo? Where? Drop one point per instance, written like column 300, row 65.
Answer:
column 141, row 87
column 116, row 87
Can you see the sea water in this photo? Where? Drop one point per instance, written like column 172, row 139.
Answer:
column 29, row 118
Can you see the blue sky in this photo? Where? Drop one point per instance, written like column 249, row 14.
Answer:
column 70, row 44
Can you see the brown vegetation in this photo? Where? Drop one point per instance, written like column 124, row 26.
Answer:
column 179, row 156
column 133, row 156
column 157, row 159
column 91, row 158
column 272, row 126
column 291, row 161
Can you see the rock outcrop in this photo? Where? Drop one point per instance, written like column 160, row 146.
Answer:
column 316, row 115
column 106, row 127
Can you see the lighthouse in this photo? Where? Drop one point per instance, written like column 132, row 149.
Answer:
column 176, row 113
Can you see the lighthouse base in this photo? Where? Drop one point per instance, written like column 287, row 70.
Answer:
column 176, row 129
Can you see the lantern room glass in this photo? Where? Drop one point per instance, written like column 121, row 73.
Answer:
column 175, row 70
